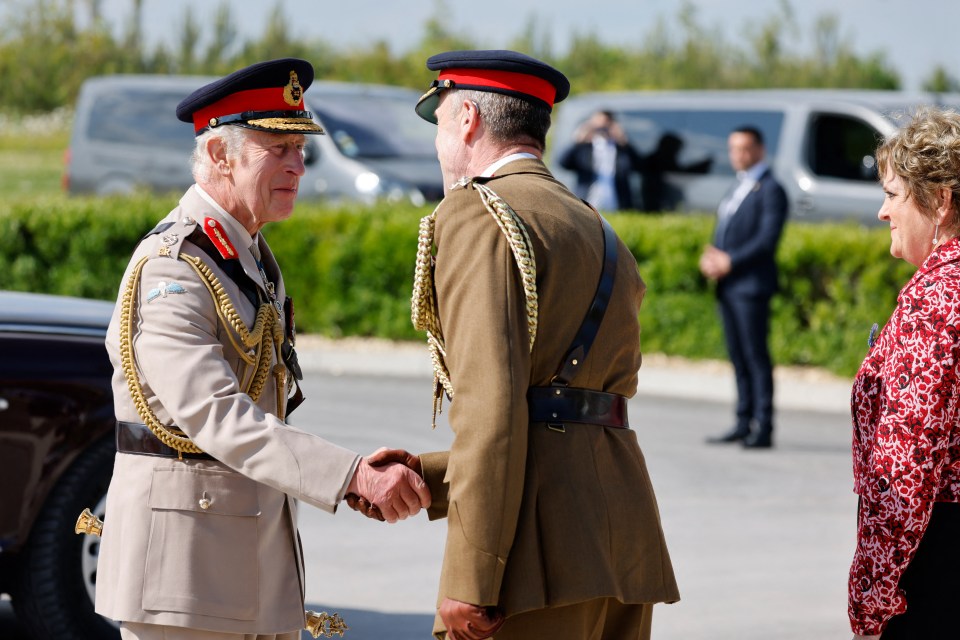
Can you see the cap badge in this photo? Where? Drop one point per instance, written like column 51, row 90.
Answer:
column 293, row 92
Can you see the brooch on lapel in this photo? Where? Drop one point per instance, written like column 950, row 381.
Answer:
column 872, row 338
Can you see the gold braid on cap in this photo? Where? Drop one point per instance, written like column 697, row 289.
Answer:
column 423, row 307
column 255, row 347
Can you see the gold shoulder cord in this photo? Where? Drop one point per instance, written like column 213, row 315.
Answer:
column 256, row 347
column 423, row 307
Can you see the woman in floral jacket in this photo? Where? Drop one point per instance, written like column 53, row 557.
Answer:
column 906, row 402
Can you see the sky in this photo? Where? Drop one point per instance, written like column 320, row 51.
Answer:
column 914, row 36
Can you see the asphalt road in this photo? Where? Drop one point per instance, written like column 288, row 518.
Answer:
column 760, row 540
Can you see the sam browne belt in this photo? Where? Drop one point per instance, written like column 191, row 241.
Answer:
column 560, row 403
column 133, row 437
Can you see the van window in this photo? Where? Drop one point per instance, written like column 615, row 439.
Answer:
column 374, row 126
column 696, row 140
column 842, row 147
column 133, row 116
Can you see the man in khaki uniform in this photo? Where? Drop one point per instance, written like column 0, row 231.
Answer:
column 553, row 529
column 200, row 536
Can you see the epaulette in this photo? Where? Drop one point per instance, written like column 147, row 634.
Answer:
column 462, row 183
column 170, row 237
column 160, row 228
column 172, row 234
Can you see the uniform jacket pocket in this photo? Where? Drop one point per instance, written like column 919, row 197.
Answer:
column 202, row 553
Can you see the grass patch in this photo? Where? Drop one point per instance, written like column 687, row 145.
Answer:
column 31, row 165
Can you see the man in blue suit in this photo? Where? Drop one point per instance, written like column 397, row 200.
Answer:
column 742, row 262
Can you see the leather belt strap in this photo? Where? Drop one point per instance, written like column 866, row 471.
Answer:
column 136, row 438
column 558, row 405
column 580, row 347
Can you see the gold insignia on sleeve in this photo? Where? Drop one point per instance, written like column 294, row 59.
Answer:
column 293, row 92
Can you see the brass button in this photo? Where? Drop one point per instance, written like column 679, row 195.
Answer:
column 205, row 502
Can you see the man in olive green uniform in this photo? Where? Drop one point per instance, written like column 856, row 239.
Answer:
column 530, row 305
column 200, row 538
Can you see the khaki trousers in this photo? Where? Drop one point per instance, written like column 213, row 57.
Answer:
column 601, row 619
column 140, row 631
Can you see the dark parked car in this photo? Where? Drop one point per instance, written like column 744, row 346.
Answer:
column 56, row 458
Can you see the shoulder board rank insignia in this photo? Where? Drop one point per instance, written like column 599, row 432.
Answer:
column 461, row 183
column 163, row 289
column 167, row 240
column 218, row 236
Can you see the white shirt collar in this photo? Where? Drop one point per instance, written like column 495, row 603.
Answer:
column 492, row 169
column 753, row 173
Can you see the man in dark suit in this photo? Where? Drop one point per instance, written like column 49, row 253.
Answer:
column 742, row 262
column 603, row 159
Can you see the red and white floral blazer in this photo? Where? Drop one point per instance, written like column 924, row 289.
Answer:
column 906, row 442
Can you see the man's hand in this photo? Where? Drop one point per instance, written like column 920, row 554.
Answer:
column 469, row 621
column 379, row 458
column 714, row 263
column 384, row 456
column 388, row 491
column 363, row 505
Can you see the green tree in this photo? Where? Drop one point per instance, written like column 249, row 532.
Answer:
column 186, row 55
column 677, row 53
column 941, row 81
column 276, row 42
column 39, row 49
column 224, row 37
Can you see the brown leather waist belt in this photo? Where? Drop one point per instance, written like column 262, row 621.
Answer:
column 559, row 405
column 133, row 437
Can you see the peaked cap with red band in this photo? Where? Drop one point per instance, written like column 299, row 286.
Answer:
column 267, row 96
column 499, row 71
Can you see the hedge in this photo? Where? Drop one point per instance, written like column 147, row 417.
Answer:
column 350, row 270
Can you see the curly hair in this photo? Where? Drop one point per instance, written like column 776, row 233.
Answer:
column 509, row 119
column 925, row 154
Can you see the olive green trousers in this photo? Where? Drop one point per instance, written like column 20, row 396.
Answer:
column 601, row 619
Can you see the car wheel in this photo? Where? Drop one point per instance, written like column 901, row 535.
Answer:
column 56, row 579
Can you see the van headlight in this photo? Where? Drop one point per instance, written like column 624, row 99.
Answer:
column 367, row 183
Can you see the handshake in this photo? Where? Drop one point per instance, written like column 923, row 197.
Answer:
column 388, row 485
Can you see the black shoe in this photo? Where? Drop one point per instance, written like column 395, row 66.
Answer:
column 761, row 440
column 734, row 435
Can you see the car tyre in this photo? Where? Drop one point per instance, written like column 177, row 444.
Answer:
column 50, row 596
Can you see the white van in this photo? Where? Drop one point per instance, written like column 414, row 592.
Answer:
column 126, row 135
column 820, row 143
